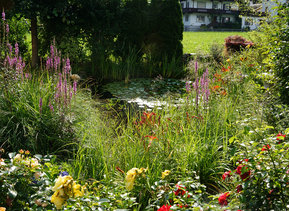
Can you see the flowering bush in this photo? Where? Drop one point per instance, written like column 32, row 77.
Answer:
column 261, row 180
column 185, row 194
column 34, row 108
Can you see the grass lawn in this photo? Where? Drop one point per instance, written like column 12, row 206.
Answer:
column 194, row 42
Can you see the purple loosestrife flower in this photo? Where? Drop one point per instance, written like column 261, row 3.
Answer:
column 196, row 87
column 51, row 106
column 9, row 48
column 3, row 16
column 52, row 51
column 196, row 69
column 67, row 66
column 40, row 105
column 27, row 75
column 7, row 28
column 16, row 49
column 48, row 63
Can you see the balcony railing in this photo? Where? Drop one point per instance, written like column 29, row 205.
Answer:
column 211, row 11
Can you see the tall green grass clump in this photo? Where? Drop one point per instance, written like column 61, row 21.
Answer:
column 193, row 137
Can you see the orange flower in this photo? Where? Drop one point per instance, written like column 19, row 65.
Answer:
column 151, row 138
column 226, row 69
column 149, row 115
column 215, row 88
column 223, row 92
column 217, row 75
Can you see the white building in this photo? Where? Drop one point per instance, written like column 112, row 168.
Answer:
column 267, row 7
column 224, row 14
column 212, row 14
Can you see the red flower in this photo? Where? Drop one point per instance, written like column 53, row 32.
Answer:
column 239, row 188
column 181, row 206
column 226, row 174
column 280, row 137
column 180, row 190
column 223, row 199
column 239, row 169
column 165, row 208
column 266, row 147
column 245, row 175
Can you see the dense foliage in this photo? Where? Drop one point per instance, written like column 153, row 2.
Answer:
column 280, row 50
column 220, row 146
column 100, row 30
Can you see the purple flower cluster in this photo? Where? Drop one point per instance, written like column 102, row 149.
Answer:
column 63, row 90
column 53, row 62
column 200, row 86
column 15, row 62
column 59, row 71
column 3, row 16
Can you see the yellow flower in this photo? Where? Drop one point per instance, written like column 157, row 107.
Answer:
column 165, row 173
column 34, row 163
column 142, row 170
column 228, row 60
column 58, row 198
column 62, row 182
column 130, row 178
column 2, row 209
column 78, row 191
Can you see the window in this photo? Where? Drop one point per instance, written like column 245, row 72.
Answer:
column 200, row 19
column 201, row 4
column 187, row 4
column 226, row 20
column 215, row 5
column 187, row 17
column 183, row 5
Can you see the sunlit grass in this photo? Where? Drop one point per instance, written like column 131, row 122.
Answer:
column 194, row 42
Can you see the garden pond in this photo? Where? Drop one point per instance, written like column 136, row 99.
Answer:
column 147, row 93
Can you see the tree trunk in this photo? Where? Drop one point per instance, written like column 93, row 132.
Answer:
column 34, row 39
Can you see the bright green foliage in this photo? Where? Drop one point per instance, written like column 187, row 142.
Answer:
column 281, row 52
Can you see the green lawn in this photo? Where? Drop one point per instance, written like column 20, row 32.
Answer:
column 194, row 42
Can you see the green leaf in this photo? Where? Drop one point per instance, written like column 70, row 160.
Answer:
column 12, row 193
column 231, row 140
column 268, row 127
column 246, row 130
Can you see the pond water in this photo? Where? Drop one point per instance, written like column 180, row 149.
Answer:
column 149, row 93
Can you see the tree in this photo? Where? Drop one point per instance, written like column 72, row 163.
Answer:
column 166, row 27
column 133, row 28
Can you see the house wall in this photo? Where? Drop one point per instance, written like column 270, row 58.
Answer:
column 270, row 6
column 209, row 4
